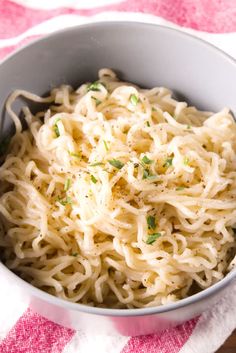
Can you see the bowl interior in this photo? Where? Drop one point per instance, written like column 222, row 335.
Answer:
column 144, row 54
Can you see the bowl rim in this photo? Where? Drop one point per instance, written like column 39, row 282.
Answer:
column 65, row 304
column 164, row 28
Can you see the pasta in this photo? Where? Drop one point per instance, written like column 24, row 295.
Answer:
column 117, row 196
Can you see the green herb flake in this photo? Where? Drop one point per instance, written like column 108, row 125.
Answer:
column 105, row 145
column 145, row 173
column 179, row 188
column 152, row 176
column 148, row 175
column 93, row 179
column 55, row 128
column 73, row 154
column 188, row 127
column 67, row 184
column 4, row 145
column 95, row 86
column 146, row 160
column 168, row 162
column 74, row 254
column 134, row 99
column 97, row 101
column 151, row 222
column 116, row 163
column 147, row 123
column 186, row 161
column 154, row 109
column 152, row 238
column 96, row 164
column 66, row 201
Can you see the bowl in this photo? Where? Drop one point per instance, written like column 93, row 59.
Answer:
column 148, row 55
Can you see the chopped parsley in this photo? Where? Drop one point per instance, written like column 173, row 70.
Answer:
column 186, row 161
column 93, row 179
column 73, row 154
column 146, row 160
column 74, row 254
column 66, row 201
column 134, row 99
column 105, row 145
column 188, row 127
column 168, row 162
column 148, row 175
column 97, row 101
column 152, row 238
column 116, row 163
column 147, row 123
column 95, row 86
column 151, row 222
column 96, row 164
column 179, row 188
column 55, row 128
column 67, row 184
column 154, row 109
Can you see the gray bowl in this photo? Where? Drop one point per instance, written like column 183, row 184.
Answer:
column 148, row 55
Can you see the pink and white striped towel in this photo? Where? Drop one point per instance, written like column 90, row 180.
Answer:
column 23, row 331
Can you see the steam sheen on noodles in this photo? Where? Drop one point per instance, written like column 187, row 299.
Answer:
column 118, row 196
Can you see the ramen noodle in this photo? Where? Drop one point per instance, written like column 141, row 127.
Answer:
column 117, row 196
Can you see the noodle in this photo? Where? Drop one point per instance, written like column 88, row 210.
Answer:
column 118, row 196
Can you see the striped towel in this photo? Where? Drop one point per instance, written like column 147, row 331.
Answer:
column 23, row 331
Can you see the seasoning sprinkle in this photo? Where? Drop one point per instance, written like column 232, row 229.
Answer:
column 105, row 145
column 66, row 201
column 134, row 99
column 146, row 160
column 73, row 154
column 116, row 163
column 148, row 175
column 67, row 184
column 55, row 127
column 145, row 173
column 151, row 222
column 95, row 86
column 186, row 161
column 168, row 162
column 93, row 179
column 96, row 164
column 97, row 101
column 152, row 238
